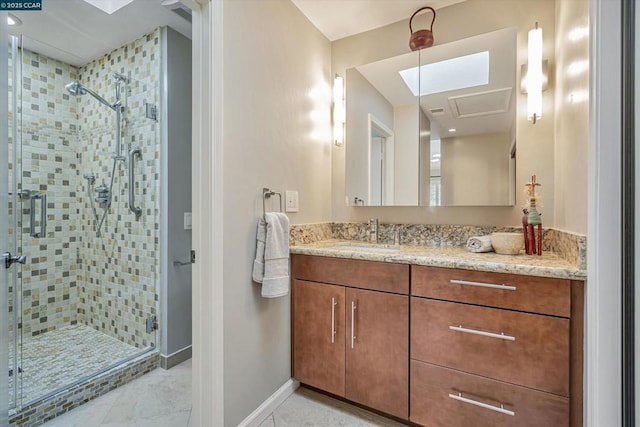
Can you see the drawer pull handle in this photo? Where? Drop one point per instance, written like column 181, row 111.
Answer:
column 353, row 323
column 333, row 320
column 501, row 336
column 484, row 285
column 482, row 405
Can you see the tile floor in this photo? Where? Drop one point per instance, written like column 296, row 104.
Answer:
column 163, row 399
column 308, row 408
column 158, row 399
column 47, row 364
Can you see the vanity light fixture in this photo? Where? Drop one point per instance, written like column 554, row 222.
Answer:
column 338, row 110
column 534, row 75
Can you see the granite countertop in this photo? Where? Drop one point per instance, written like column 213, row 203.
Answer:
column 547, row 265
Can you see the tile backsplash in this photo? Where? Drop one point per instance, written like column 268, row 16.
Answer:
column 569, row 246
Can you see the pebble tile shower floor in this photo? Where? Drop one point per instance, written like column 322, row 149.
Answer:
column 59, row 357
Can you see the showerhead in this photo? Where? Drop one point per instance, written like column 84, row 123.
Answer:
column 76, row 88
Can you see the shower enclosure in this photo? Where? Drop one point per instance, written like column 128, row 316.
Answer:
column 83, row 168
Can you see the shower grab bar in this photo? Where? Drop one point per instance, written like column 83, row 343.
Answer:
column 132, row 202
column 43, row 215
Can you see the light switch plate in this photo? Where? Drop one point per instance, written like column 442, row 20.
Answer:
column 291, row 201
column 187, row 221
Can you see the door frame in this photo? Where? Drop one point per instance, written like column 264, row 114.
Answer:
column 207, row 196
column 603, row 332
column 603, row 322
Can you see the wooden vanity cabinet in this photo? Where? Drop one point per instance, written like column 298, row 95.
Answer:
column 440, row 347
column 494, row 349
column 347, row 339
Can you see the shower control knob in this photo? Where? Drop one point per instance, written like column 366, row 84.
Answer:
column 10, row 259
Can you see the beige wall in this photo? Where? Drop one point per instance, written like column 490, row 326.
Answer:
column 475, row 169
column 406, row 157
column 425, row 159
column 276, row 134
column 572, row 116
column 368, row 101
column 535, row 143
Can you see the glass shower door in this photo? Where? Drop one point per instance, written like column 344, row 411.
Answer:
column 85, row 300
column 5, row 244
column 13, row 211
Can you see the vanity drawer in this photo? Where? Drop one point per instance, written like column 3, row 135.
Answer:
column 377, row 276
column 521, row 348
column 525, row 293
column 436, row 399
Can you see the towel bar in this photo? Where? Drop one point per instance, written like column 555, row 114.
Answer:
column 267, row 193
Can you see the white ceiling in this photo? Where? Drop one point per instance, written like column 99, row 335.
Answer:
column 481, row 102
column 76, row 32
column 337, row 19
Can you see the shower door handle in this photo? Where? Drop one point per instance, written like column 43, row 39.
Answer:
column 11, row 259
column 43, row 215
column 132, row 198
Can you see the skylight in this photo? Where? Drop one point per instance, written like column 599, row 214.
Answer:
column 456, row 73
column 109, row 6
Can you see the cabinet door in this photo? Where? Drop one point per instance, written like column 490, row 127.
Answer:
column 318, row 335
column 377, row 355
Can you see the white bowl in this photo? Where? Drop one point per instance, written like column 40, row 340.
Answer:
column 507, row 243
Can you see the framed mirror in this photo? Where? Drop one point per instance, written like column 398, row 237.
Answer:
column 434, row 127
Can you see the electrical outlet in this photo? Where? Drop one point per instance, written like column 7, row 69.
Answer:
column 291, row 201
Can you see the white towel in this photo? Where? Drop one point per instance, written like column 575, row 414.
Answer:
column 479, row 244
column 271, row 266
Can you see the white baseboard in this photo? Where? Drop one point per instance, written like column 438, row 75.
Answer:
column 269, row 405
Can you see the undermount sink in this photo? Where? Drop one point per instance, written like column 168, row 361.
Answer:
column 367, row 248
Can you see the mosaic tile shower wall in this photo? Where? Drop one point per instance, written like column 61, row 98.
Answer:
column 71, row 275
column 48, row 166
column 117, row 284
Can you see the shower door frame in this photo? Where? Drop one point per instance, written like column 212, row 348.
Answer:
column 4, row 225
column 21, row 401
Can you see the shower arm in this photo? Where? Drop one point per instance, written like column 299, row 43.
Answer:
column 114, row 107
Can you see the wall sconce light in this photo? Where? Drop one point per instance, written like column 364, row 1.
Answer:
column 534, row 75
column 338, row 110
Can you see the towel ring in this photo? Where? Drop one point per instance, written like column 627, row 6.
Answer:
column 267, row 193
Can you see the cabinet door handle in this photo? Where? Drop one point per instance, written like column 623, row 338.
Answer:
column 483, row 285
column 333, row 320
column 500, row 408
column 353, row 323
column 501, row 336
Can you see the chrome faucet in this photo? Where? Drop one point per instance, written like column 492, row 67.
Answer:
column 373, row 230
